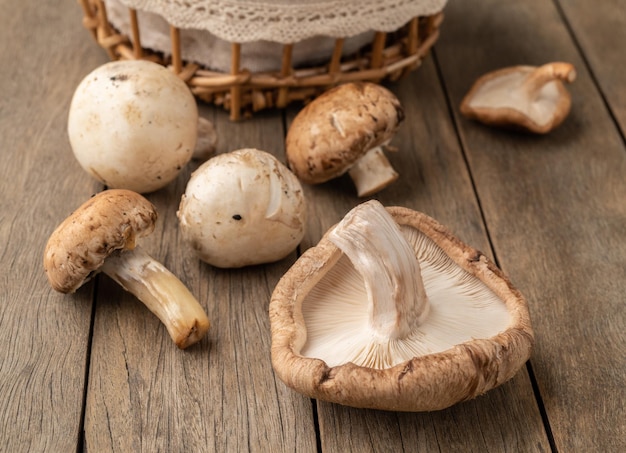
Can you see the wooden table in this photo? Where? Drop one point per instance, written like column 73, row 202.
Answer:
column 95, row 371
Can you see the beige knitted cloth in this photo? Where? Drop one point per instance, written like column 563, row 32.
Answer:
column 208, row 26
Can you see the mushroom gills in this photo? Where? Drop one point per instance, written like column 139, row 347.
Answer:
column 393, row 295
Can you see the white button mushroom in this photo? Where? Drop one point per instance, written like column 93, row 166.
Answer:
column 525, row 97
column 100, row 236
column 133, row 125
column 345, row 130
column 242, row 208
column 390, row 311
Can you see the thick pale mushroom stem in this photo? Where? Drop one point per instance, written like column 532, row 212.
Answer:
column 161, row 291
column 373, row 242
column 549, row 72
column 372, row 172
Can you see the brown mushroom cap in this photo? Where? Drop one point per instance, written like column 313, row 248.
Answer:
column 427, row 382
column 109, row 221
column 337, row 128
column 522, row 97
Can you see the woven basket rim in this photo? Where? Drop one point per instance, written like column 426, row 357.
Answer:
column 389, row 56
column 286, row 22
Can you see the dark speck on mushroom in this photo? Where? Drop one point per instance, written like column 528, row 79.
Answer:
column 399, row 113
column 475, row 257
column 120, row 78
column 237, row 217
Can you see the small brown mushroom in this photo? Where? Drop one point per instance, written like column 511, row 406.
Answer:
column 390, row 311
column 345, row 130
column 527, row 97
column 100, row 236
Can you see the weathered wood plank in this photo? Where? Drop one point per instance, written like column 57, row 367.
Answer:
column 44, row 336
column 555, row 209
column 600, row 30
column 433, row 179
column 219, row 395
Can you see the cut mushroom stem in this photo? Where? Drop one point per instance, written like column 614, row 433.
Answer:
column 161, row 291
column 547, row 73
column 372, row 172
column 373, row 242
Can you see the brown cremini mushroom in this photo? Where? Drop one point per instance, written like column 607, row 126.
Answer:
column 100, row 236
column 526, row 97
column 345, row 130
column 390, row 311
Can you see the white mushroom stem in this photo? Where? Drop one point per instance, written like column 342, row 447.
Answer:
column 538, row 78
column 206, row 142
column 372, row 172
column 373, row 242
column 161, row 291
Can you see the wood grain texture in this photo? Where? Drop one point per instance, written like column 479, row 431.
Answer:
column 600, row 30
column 219, row 395
column 44, row 336
column 555, row 209
column 433, row 179
column 95, row 371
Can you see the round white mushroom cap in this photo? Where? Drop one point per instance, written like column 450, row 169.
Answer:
column 242, row 208
column 133, row 125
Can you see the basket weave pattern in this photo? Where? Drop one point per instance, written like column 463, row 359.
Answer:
column 240, row 91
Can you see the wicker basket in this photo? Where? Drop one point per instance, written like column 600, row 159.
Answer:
column 388, row 57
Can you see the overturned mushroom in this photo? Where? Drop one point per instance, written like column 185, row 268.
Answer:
column 242, row 208
column 345, row 130
column 526, row 97
column 133, row 125
column 100, row 236
column 390, row 311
